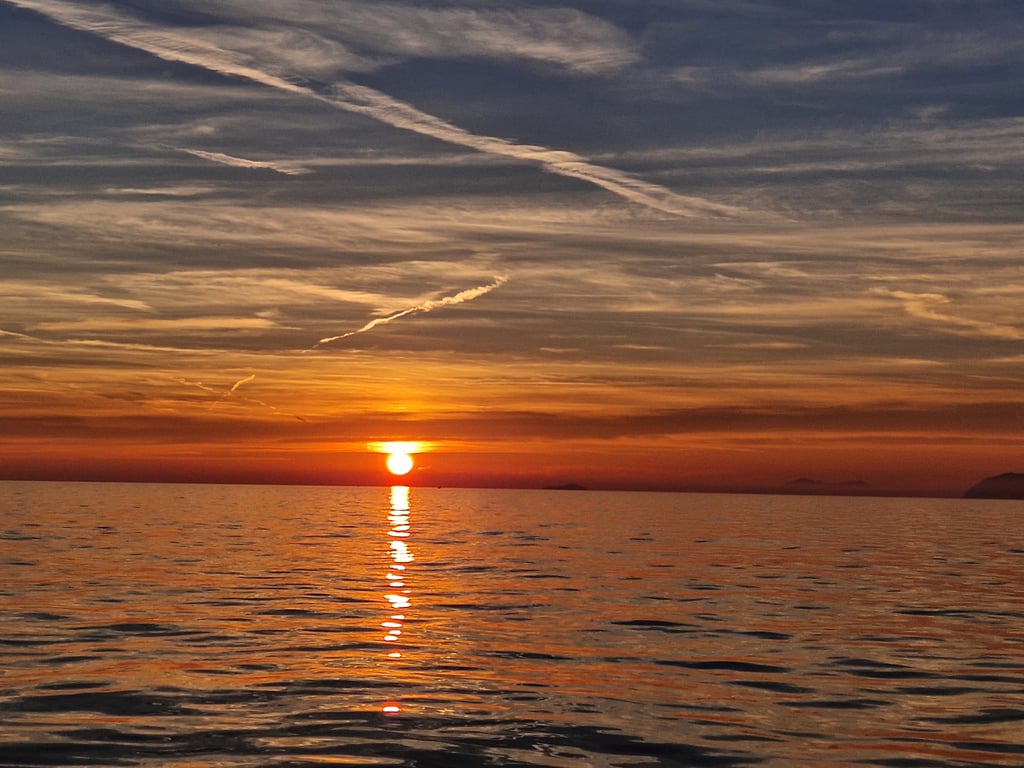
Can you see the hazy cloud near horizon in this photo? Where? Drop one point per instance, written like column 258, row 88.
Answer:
column 731, row 205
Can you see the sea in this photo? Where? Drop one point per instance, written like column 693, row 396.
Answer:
column 217, row 626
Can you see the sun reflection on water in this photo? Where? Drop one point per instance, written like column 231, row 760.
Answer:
column 397, row 596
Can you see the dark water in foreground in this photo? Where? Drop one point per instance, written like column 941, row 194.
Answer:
column 211, row 626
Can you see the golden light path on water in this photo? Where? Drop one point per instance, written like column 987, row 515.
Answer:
column 397, row 596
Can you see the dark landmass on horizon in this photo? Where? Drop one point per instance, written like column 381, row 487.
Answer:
column 1009, row 485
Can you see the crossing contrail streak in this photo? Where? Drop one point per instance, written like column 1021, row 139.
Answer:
column 380, row 106
column 467, row 295
column 289, row 169
column 175, row 45
column 240, row 382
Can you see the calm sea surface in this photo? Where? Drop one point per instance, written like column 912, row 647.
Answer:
column 202, row 626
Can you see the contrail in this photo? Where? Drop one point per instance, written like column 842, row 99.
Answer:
column 223, row 394
column 380, row 106
column 467, row 295
column 240, row 382
column 197, row 385
column 171, row 46
column 289, row 169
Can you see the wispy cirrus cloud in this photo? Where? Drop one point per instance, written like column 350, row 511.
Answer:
column 34, row 292
column 562, row 36
column 180, row 325
column 215, row 54
column 924, row 306
column 179, row 190
column 821, row 72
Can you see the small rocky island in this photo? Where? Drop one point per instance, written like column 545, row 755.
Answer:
column 1009, row 485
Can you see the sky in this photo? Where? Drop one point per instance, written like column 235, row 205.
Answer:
column 661, row 244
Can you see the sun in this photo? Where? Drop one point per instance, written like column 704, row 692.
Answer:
column 400, row 454
column 399, row 463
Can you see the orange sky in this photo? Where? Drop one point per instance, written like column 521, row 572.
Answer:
column 311, row 424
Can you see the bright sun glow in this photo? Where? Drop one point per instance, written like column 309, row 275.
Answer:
column 400, row 454
column 399, row 463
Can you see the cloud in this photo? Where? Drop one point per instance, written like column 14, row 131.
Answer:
column 35, row 293
column 286, row 50
column 923, row 306
column 427, row 306
column 577, row 41
column 179, row 325
column 187, row 46
column 822, row 71
column 180, row 190
column 286, row 294
column 131, row 347
column 765, row 345
column 285, row 167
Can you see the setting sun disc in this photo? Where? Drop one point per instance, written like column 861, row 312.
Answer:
column 400, row 463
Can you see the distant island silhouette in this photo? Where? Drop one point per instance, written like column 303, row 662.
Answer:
column 1009, row 485
column 565, row 487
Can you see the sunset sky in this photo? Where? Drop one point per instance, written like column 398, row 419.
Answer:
column 667, row 244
